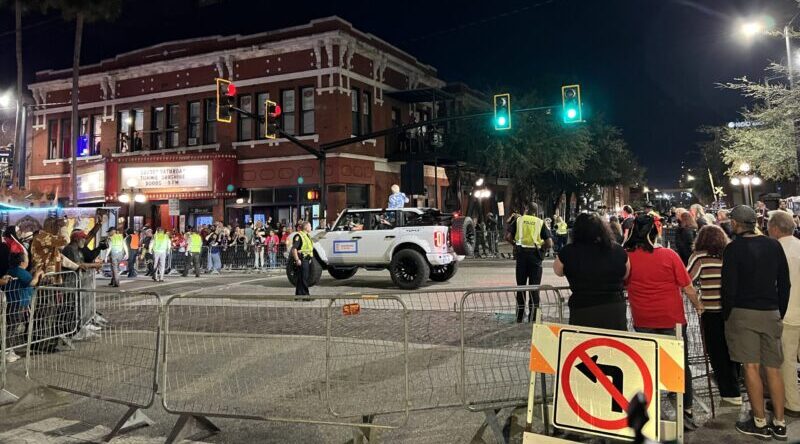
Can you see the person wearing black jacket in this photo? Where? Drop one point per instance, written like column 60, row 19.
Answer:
column 755, row 296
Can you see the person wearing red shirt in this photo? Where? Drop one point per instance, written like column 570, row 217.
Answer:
column 654, row 286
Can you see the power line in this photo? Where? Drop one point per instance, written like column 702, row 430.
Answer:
column 31, row 26
column 478, row 22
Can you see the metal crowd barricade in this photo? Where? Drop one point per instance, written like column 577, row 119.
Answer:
column 118, row 366
column 328, row 360
column 6, row 397
column 58, row 315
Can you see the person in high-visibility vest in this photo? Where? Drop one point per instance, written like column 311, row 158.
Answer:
column 132, row 241
column 118, row 252
column 195, row 250
column 531, row 239
column 303, row 253
column 160, row 247
column 562, row 230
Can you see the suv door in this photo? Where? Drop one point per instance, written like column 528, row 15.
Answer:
column 378, row 236
column 343, row 244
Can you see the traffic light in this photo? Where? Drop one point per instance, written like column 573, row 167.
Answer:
column 312, row 195
column 502, row 111
column 272, row 115
column 226, row 98
column 571, row 101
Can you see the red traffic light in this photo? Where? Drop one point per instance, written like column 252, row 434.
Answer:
column 275, row 111
column 231, row 90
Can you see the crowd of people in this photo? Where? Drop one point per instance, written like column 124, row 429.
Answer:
column 740, row 272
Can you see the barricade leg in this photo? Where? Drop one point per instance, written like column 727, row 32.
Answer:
column 133, row 419
column 187, row 426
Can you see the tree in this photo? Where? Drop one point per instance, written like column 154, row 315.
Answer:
column 81, row 11
column 767, row 138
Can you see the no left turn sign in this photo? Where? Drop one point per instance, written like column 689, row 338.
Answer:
column 596, row 377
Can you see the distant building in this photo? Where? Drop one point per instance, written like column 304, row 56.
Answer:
column 148, row 118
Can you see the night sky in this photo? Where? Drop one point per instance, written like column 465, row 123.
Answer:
column 648, row 65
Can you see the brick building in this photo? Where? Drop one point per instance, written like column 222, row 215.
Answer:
column 148, row 119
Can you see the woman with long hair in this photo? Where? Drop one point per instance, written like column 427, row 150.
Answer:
column 656, row 280
column 596, row 268
column 705, row 267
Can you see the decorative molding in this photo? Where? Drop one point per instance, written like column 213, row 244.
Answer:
column 179, row 150
column 48, row 176
column 69, row 159
column 272, row 142
column 229, row 65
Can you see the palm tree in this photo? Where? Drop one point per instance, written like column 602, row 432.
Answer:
column 82, row 11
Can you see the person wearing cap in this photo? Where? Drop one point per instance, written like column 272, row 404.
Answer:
column 755, row 296
column 118, row 252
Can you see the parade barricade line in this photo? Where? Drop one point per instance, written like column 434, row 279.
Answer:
column 319, row 361
column 6, row 397
column 118, row 365
column 58, row 314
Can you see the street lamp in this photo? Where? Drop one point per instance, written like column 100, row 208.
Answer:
column 747, row 180
column 479, row 182
column 689, row 178
column 131, row 196
column 5, row 100
column 646, row 193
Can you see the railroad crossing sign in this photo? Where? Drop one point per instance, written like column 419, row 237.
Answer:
column 598, row 371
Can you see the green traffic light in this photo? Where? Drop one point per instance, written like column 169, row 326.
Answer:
column 501, row 121
column 572, row 113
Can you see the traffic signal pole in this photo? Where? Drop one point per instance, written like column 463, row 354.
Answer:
column 321, row 152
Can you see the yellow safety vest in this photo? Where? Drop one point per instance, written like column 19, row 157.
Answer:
column 117, row 242
column 160, row 243
column 529, row 231
column 195, row 243
column 561, row 228
column 307, row 246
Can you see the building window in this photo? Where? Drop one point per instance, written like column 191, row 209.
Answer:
column 193, row 126
column 307, row 108
column 261, row 103
column 355, row 107
column 97, row 131
column 52, row 139
column 367, row 109
column 173, row 126
column 210, row 128
column 83, row 138
column 246, row 122
column 130, row 128
column 157, row 128
column 396, row 117
column 357, row 196
column 287, row 107
column 66, row 139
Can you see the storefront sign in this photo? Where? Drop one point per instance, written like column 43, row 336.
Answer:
column 174, row 207
column 91, row 185
column 179, row 178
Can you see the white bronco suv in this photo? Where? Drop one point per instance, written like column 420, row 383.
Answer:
column 415, row 244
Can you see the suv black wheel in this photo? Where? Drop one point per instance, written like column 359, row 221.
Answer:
column 292, row 272
column 409, row 269
column 442, row 273
column 342, row 273
column 462, row 236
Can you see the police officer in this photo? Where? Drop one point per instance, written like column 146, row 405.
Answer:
column 531, row 239
column 118, row 252
column 302, row 253
column 160, row 246
column 195, row 248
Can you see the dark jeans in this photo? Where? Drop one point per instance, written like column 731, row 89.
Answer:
column 195, row 264
column 132, row 263
column 529, row 272
column 303, row 273
column 561, row 240
column 726, row 372
column 688, row 393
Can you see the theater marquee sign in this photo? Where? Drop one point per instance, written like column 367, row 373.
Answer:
column 164, row 178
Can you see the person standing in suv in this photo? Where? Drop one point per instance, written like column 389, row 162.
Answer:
column 755, row 295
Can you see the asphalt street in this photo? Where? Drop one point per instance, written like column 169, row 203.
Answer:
column 231, row 352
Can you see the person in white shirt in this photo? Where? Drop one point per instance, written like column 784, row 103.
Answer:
column 781, row 226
